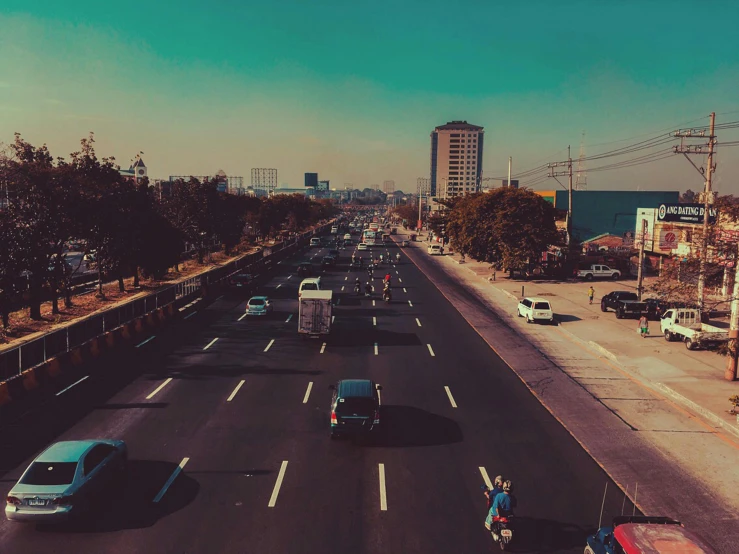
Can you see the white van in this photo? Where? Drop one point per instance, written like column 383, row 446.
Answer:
column 435, row 249
column 311, row 283
column 536, row 309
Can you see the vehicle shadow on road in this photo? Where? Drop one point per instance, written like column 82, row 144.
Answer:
column 132, row 505
column 566, row 318
column 407, row 426
column 547, row 535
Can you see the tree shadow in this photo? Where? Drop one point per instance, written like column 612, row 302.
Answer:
column 132, row 506
column 407, row 426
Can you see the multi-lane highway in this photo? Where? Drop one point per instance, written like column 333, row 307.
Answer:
column 238, row 408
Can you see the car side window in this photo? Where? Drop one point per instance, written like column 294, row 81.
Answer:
column 95, row 457
column 526, row 302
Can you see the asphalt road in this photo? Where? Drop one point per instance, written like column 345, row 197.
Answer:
column 248, row 418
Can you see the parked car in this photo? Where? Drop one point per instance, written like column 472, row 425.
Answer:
column 258, row 305
column 656, row 308
column 598, row 271
column 536, row 309
column 355, row 407
column 65, row 479
column 305, row 269
column 623, row 303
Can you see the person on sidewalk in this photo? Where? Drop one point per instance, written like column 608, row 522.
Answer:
column 591, row 294
column 643, row 326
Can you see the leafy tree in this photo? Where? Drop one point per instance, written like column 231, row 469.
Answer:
column 192, row 208
column 409, row 213
column 506, row 226
column 688, row 197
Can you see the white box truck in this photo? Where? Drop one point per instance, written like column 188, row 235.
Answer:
column 314, row 313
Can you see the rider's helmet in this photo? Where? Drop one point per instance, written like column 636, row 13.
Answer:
column 508, row 486
column 498, row 481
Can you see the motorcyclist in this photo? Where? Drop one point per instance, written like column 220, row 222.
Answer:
column 397, row 257
column 503, row 505
column 490, row 494
column 361, row 262
column 357, row 285
column 382, row 259
column 387, row 294
column 368, row 289
column 388, row 279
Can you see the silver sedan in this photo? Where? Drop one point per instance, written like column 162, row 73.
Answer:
column 64, row 479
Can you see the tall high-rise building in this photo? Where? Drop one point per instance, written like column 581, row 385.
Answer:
column 456, row 159
column 388, row 187
column 423, row 186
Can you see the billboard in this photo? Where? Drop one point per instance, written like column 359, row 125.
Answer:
column 685, row 213
column 311, row 180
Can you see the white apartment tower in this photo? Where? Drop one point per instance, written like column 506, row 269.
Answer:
column 456, row 159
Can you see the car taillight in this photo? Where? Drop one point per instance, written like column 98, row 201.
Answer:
column 12, row 500
column 334, row 421
column 62, row 501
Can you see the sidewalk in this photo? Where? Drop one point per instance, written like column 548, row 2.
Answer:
column 695, row 379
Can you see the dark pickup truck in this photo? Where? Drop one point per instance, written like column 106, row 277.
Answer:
column 623, row 303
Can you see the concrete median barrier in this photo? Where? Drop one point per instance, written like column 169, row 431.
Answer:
column 151, row 319
column 96, row 347
column 4, row 394
column 126, row 331
column 110, row 339
column 54, row 367
column 138, row 325
column 76, row 357
column 30, row 380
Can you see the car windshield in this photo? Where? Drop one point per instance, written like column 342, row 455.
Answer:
column 50, row 473
column 310, row 286
column 360, row 405
column 242, row 277
column 541, row 306
column 256, row 302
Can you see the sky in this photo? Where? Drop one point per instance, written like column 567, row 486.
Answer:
column 352, row 90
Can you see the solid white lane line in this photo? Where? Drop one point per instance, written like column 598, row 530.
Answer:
column 278, row 484
column 160, row 387
column 147, row 340
column 345, row 278
column 188, row 316
column 289, row 318
column 374, row 321
column 269, row 345
column 342, row 288
column 419, row 323
column 242, row 317
column 410, row 303
column 211, row 343
column 289, row 277
column 400, row 280
column 431, row 350
column 72, row 385
column 241, row 384
column 323, row 347
column 451, row 398
column 375, row 349
column 396, row 272
column 485, row 477
column 383, row 492
column 307, row 392
column 171, row 479
column 373, row 302
column 404, row 290
column 278, row 286
column 332, row 318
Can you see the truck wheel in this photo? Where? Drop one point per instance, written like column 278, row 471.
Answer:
column 689, row 344
column 589, row 277
column 615, row 276
column 603, row 307
column 668, row 336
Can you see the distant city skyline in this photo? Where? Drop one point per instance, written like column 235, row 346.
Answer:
column 356, row 103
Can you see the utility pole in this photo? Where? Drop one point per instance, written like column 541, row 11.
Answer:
column 731, row 365
column 640, row 270
column 567, row 173
column 707, row 193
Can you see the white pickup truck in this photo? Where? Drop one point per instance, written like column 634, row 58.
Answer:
column 685, row 324
column 598, row 272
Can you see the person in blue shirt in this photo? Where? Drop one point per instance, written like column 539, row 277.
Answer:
column 490, row 494
column 503, row 505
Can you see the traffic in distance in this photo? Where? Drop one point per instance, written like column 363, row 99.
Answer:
column 397, row 407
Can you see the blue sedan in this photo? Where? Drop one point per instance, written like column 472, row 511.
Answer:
column 64, row 479
column 258, row 305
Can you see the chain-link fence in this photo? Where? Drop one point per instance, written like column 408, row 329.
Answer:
column 39, row 350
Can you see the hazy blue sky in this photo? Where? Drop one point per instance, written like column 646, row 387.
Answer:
column 353, row 89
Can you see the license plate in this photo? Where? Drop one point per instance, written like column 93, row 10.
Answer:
column 36, row 502
column 506, row 533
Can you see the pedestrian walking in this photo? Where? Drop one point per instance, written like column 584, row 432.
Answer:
column 643, row 326
column 591, row 294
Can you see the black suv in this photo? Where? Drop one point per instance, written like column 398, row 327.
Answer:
column 242, row 281
column 355, row 407
column 305, row 269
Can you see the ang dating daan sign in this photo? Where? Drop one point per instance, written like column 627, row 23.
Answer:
column 685, row 213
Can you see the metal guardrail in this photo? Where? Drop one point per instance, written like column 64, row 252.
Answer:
column 38, row 351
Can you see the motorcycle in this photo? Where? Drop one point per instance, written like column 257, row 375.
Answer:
column 500, row 530
column 387, row 296
column 397, row 258
column 358, row 288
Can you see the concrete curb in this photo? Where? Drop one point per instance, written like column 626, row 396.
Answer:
column 697, row 408
column 607, row 353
